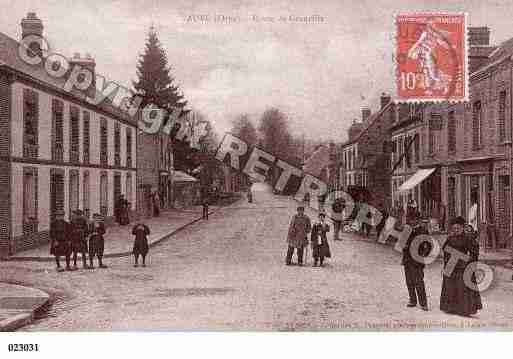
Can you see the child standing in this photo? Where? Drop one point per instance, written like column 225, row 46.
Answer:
column 141, row 232
column 96, row 241
column 319, row 239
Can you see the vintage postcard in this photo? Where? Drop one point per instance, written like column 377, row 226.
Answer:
column 255, row 166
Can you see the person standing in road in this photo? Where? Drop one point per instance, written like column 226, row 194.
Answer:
column 297, row 237
column 250, row 195
column 60, row 240
column 80, row 231
column 204, row 204
column 141, row 247
column 319, row 239
column 337, row 208
column 414, row 268
column 96, row 241
column 456, row 296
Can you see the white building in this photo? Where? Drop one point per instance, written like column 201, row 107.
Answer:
column 57, row 151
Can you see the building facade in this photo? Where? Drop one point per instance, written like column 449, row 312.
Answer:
column 363, row 160
column 58, row 151
column 465, row 147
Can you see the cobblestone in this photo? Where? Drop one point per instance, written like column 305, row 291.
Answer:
column 229, row 274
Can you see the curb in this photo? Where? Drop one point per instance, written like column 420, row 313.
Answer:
column 22, row 319
column 113, row 255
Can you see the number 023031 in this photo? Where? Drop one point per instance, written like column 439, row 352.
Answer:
column 23, row 347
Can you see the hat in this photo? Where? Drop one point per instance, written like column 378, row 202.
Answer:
column 322, row 214
column 458, row 220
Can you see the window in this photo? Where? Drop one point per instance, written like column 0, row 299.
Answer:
column 476, row 125
column 502, row 116
column 74, row 134
column 74, row 186
column 117, row 144
column 417, row 147
column 57, row 130
column 86, row 139
column 435, row 125
column 451, row 132
column 129, row 187
column 103, row 143
column 86, row 194
column 400, row 151
column 128, row 147
column 30, row 123
column 104, row 194
column 29, row 195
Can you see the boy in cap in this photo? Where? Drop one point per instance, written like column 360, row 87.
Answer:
column 80, row 231
column 96, row 241
column 60, row 236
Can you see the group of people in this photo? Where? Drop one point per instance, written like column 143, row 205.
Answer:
column 457, row 297
column 297, row 238
column 84, row 237
column 78, row 237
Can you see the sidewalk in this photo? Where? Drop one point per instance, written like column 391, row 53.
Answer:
column 18, row 305
column 119, row 239
column 501, row 257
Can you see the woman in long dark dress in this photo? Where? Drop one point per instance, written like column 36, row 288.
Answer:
column 456, row 296
column 141, row 247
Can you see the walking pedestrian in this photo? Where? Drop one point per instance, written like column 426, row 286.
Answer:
column 205, row 203
column 456, row 296
column 337, row 207
column 319, row 239
column 297, row 237
column 80, row 231
column 96, row 241
column 141, row 233
column 250, row 195
column 414, row 268
column 156, row 204
column 60, row 240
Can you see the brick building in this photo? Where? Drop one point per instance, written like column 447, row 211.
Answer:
column 57, row 150
column 466, row 145
column 362, row 160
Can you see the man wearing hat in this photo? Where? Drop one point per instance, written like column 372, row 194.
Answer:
column 96, row 241
column 414, row 268
column 297, row 237
column 80, row 231
column 60, row 240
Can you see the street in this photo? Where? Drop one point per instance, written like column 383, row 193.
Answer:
column 229, row 274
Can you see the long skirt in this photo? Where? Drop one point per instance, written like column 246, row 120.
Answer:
column 140, row 247
column 457, row 298
column 321, row 250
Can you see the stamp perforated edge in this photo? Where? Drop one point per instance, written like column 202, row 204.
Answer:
column 466, row 72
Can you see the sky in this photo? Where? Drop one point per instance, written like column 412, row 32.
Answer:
column 320, row 73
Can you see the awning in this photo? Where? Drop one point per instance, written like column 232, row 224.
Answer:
column 179, row 176
column 414, row 180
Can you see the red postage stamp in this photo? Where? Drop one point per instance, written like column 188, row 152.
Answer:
column 431, row 57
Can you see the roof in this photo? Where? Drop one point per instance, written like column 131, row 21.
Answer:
column 503, row 52
column 9, row 58
column 369, row 123
column 179, row 176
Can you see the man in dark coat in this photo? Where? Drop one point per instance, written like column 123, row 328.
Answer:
column 96, row 241
column 297, row 237
column 413, row 268
column 80, row 230
column 319, row 239
column 204, row 203
column 141, row 233
column 60, row 240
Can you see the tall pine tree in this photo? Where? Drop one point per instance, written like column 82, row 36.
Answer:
column 154, row 81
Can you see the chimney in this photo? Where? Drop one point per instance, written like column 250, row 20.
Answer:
column 479, row 36
column 385, row 99
column 32, row 25
column 89, row 63
column 366, row 113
